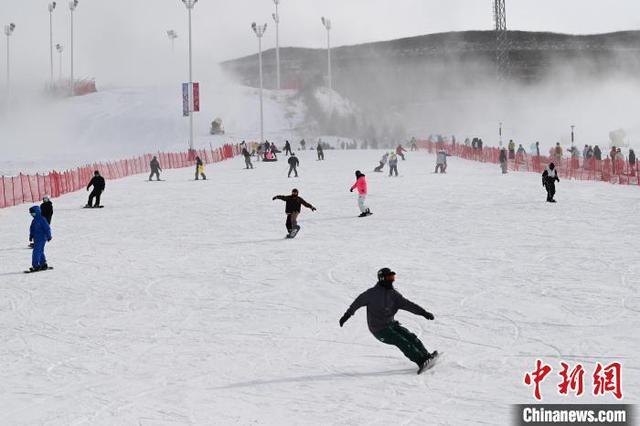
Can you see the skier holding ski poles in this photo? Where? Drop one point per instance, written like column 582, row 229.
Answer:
column 383, row 302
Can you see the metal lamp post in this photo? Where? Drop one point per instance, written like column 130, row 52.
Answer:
column 190, row 4
column 60, row 49
column 260, row 30
column 572, row 135
column 172, row 36
column 327, row 24
column 52, row 7
column 276, row 19
column 500, row 135
column 8, row 30
column 72, row 7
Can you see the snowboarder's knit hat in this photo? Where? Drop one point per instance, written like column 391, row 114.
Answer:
column 384, row 272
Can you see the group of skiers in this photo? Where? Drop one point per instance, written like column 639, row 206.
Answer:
column 392, row 159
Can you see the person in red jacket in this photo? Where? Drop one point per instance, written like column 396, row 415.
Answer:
column 399, row 151
column 361, row 186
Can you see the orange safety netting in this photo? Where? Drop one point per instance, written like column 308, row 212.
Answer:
column 618, row 171
column 31, row 188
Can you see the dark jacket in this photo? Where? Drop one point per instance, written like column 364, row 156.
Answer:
column 597, row 153
column 382, row 302
column 549, row 177
column 46, row 208
column 40, row 229
column 198, row 162
column 503, row 155
column 246, row 153
column 293, row 203
column 293, row 161
column 98, row 183
column 632, row 157
column 155, row 165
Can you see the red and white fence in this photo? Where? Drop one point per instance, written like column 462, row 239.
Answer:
column 618, row 172
column 31, row 188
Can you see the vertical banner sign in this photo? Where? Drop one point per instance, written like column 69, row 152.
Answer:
column 196, row 97
column 185, row 99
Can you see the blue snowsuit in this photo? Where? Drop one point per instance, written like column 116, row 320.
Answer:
column 39, row 233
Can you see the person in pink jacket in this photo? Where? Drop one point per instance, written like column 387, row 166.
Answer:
column 361, row 186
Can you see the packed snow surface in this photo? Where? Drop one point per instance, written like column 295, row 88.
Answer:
column 181, row 302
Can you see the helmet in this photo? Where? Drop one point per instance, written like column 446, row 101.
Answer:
column 384, row 272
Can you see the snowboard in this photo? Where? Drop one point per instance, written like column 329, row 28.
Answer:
column 28, row 271
column 155, row 180
column 366, row 214
column 429, row 365
column 293, row 232
column 88, row 207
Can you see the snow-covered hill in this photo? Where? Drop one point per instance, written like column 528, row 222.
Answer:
column 182, row 303
column 40, row 134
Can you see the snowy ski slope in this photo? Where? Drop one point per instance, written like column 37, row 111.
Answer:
column 182, row 303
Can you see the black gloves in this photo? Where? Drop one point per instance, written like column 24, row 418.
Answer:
column 429, row 316
column 313, row 209
column 344, row 319
column 274, row 198
column 351, row 190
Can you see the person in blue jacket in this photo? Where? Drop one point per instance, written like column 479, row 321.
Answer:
column 39, row 234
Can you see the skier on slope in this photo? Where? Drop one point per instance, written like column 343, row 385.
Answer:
column 293, row 164
column 98, row 184
column 549, row 179
column 247, row 159
column 320, row 151
column 361, row 186
column 154, row 165
column 383, row 301
column 292, row 208
column 39, row 234
column 287, row 148
column 200, row 169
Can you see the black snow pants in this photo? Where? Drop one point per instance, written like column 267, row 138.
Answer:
column 550, row 186
column 156, row 173
column 292, row 169
column 403, row 339
column 94, row 194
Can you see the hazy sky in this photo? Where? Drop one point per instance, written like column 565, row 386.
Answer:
column 125, row 40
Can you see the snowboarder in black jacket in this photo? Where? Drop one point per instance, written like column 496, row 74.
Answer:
column 287, row 148
column 154, row 165
column 320, row 152
column 383, row 302
column 292, row 208
column 98, row 188
column 46, row 209
column 293, row 164
column 549, row 179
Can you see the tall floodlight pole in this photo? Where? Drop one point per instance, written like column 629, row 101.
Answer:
column 327, row 24
column 502, row 41
column 8, row 30
column 190, row 4
column 52, row 7
column 172, row 36
column 72, row 7
column 500, row 134
column 60, row 49
column 276, row 19
column 572, row 134
column 260, row 30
